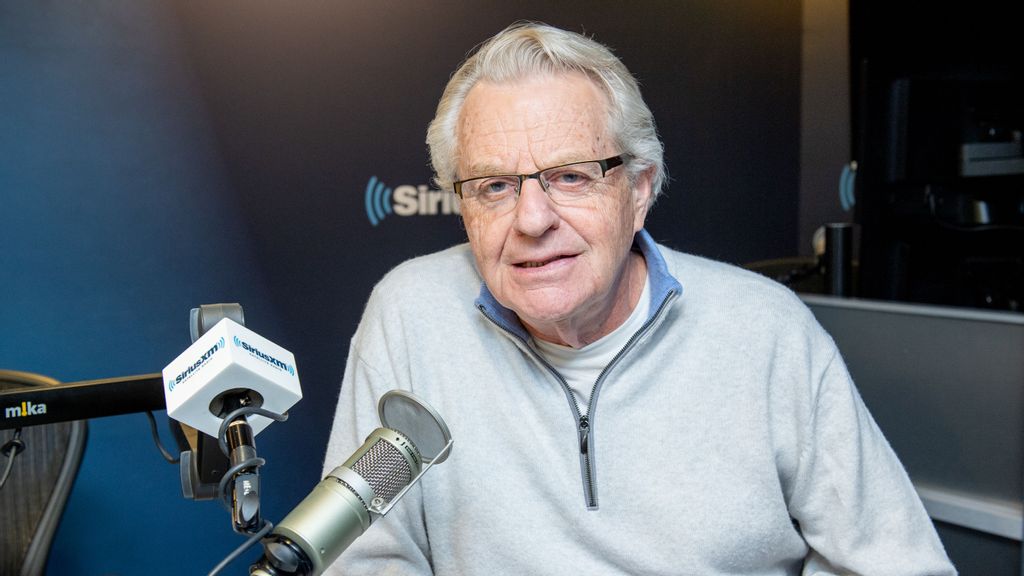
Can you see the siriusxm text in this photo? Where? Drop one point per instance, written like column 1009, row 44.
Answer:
column 422, row 201
column 265, row 357
column 195, row 366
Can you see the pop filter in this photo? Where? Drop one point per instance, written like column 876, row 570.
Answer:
column 348, row 500
column 404, row 412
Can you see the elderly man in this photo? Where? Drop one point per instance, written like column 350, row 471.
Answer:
column 618, row 407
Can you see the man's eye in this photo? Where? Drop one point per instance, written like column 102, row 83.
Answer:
column 569, row 179
column 496, row 186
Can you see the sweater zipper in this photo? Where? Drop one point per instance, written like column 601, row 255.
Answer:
column 583, row 421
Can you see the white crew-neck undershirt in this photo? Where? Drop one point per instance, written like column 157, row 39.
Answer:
column 581, row 366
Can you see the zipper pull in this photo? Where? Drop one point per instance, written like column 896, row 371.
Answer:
column 584, row 434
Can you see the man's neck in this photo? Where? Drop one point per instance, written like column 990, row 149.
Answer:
column 610, row 313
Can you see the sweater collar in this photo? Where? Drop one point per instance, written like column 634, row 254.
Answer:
column 663, row 284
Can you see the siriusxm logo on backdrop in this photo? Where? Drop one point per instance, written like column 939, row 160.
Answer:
column 406, row 200
column 262, row 356
column 188, row 372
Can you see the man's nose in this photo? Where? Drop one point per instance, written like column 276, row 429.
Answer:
column 535, row 212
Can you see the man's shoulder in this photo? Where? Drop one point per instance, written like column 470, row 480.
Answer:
column 701, row 270
column 456, row 259
column 437, row 276
column 714, row 283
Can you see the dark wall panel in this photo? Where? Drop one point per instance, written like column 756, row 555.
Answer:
column 117, row 218
column 159, row 155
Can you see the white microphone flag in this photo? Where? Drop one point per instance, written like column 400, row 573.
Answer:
column 229, row 357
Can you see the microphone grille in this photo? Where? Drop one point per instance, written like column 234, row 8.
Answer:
column 384, row 469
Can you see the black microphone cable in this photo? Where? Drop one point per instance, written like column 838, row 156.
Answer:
column 263, row 531
column 250, row 463
column 11, row 449
column 170, row 458
column 225, row 488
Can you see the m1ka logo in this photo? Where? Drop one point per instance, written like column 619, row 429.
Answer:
column 26, row 409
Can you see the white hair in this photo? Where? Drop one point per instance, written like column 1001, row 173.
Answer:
column 528, row 49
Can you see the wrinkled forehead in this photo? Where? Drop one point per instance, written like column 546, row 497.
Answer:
column 532, row 123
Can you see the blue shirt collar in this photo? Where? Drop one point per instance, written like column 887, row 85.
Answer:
column 662, row 285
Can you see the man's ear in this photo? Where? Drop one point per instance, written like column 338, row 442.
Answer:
column 643, row 195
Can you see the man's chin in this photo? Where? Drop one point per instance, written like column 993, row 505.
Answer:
column 542, row 313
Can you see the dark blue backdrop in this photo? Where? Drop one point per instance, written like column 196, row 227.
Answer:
column 157, row 155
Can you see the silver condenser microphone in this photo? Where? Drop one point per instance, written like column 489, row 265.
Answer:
column 342, row 506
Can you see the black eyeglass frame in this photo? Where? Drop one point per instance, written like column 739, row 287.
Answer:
column 606, row 165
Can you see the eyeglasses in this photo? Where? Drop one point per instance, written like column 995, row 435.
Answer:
column 564, row 184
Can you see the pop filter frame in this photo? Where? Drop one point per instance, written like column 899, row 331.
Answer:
column 403, row 411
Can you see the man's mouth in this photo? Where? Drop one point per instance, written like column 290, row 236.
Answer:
column 539, row 263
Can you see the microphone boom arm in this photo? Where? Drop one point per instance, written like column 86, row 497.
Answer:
column 82, row 400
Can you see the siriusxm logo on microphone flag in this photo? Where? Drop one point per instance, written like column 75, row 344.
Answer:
column 191, row 369
column 406, row 200
column 265, row 357
column 253, row 363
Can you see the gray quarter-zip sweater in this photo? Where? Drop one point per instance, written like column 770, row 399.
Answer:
column 725, row 438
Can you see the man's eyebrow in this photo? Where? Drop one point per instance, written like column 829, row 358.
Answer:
column 492, row 169
column 486, row 169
